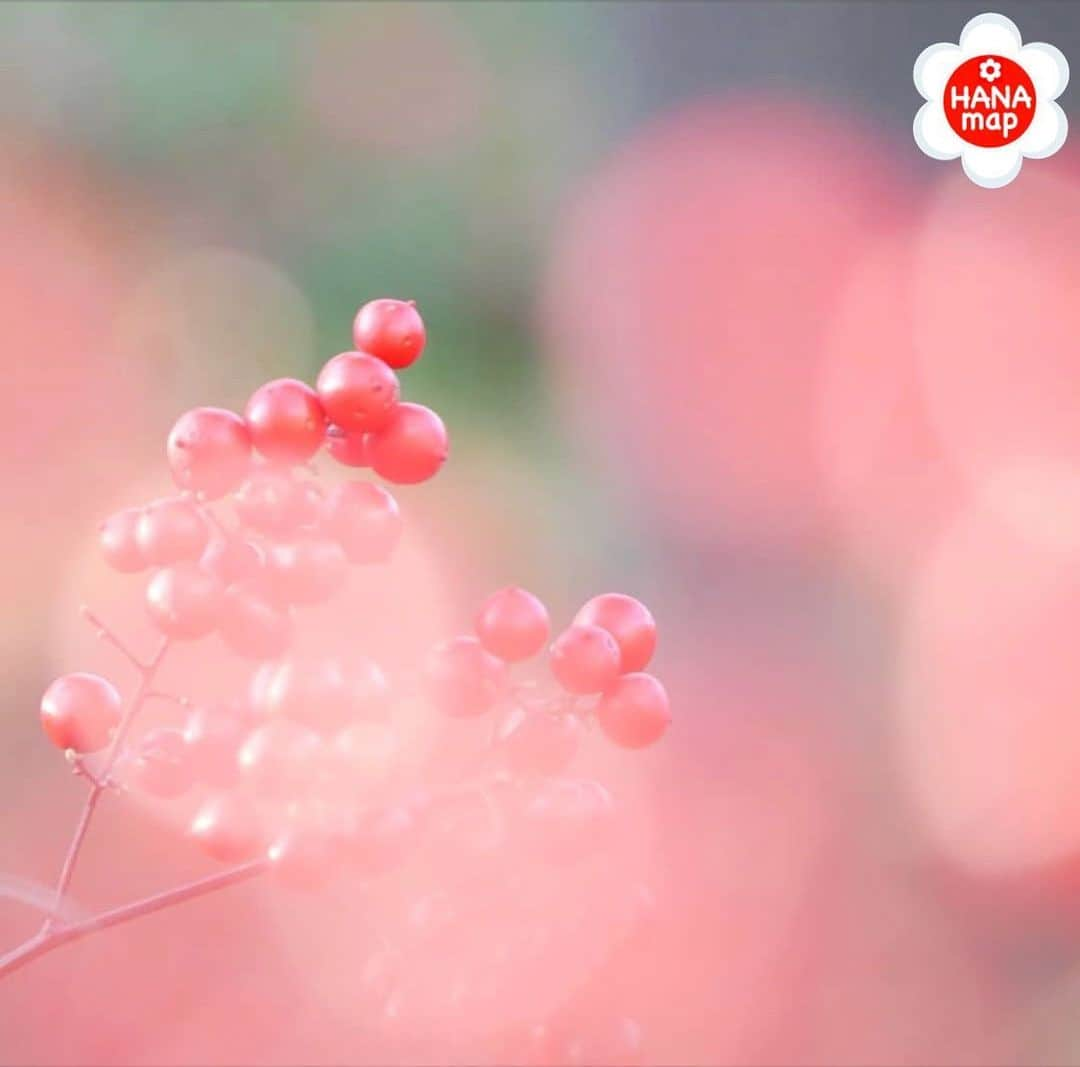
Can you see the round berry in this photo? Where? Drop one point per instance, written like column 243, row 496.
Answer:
column 628, row 621
column 209, row 451
column 253, row 628
column 358, row 392
column 513, row 624
column 161, row 765
column 411, row 447
column 233, row 560
column 80, row 711
column 584, row 659
column 214, row 734
column 364, row 519
column 463, row 679
column 279, row 757
column 227, row 829
column 634, row 712
column 538, row 741
column 184, row 601
column 171, row 530
column 306, row 570
column 286, row 421
column 349, row 449
column 119, row 545
column 272, row 502
column 392, row 330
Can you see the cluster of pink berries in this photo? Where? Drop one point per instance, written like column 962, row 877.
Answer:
column 602, row 654
column 293, row 775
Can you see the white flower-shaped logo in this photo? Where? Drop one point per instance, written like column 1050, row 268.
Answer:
column 990, row 100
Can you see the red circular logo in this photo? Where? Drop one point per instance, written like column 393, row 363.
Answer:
column 989, row 101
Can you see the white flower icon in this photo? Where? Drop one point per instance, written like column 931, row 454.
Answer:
column 991, row 35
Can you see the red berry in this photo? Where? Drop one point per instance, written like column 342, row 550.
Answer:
column 392, row 330
column 80, row 711
column 364, row 519
column 512, row 624
column 161, row 765
column 214, row 734
column 628, row 621
column 119, row 545
column 233, row 560
column 286, row 421
column 462, row 678
column 411, row 447
column 252, row 627
column 306, row 570
column 171, row 530
column 584, row 659
column 209, row 451
column 227, row 828
column 272, row 502
column 358, row 392
column 538, row 741
column 349, row 449
column 184, row 601
column 635, row 711
column 279, row 757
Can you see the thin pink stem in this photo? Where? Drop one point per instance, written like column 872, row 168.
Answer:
column 48, row 939
column 98, row 784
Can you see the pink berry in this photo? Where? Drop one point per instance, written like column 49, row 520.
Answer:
column 171, row 530
column 227, row 828
column 628, row 621
column 80, row 711
column 286, row 420
column 391, row 330
column 358, row 391
column 119, row 545
column 634, row 712
column 513, row 624
column 184, row 601
column 161, row 765
column 463, row 679
column 411, row 447
column 584, row 659
column 209, row 451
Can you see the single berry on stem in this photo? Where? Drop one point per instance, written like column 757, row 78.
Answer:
column 358, row 391
column 227, row 828
column 392, row 330
column 168, row 531
column 119, row 545
column 411, row 447
column 80, row 711
column 184, row 601
column 584, row 659
column 513, row 624
column 628, row 621
column 286, row 421
column 634, row 712
column 209, row 451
